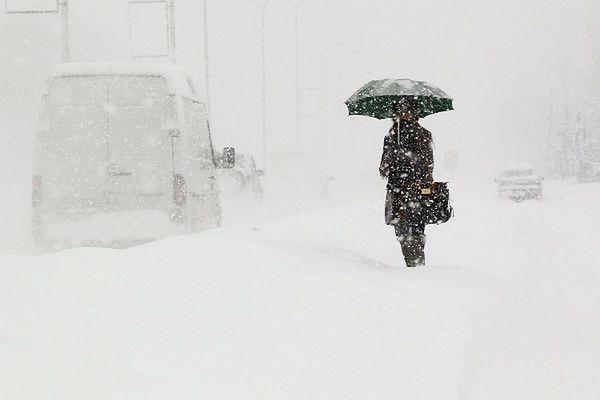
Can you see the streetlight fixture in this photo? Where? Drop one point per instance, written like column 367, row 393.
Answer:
column 262, row 5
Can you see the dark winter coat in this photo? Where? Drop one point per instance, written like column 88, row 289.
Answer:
column 407, row 163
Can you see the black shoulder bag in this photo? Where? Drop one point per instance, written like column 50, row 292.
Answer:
column 434, row 204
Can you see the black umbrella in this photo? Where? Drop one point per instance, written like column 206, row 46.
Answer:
column 379, row 98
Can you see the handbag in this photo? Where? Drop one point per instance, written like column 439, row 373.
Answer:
column 435, row 203
column 431, row 205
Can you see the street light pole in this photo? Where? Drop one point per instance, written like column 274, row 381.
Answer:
column 297, row 4
column 206, row 59
column 171, row 24
column 65, row 53
column 263, row 6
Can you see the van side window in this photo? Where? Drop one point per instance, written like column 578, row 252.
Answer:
column 197, row 137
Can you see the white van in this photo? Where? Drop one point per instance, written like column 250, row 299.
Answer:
column 123, row 155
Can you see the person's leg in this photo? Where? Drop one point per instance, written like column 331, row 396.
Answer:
column 419, row 237
column 412, row 241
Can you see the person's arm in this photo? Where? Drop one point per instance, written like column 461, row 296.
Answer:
column 384, row 166
column 429, row 158
column 425, row 146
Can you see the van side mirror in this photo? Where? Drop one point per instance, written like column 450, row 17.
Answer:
column 228, row 161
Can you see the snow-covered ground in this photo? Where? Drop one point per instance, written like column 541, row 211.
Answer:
column 319, row 306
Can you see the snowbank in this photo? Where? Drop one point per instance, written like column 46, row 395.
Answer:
column 235, row 313
column 319, row 306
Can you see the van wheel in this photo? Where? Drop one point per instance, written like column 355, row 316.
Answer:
column 177, row 215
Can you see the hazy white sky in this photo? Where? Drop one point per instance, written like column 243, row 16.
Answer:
column 496, row 58
column 511, row 66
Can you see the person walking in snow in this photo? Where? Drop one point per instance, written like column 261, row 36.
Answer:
column 407, row 164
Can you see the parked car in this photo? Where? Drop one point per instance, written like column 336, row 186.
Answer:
column 123, row 153
column 244, row 178
column 519, row 182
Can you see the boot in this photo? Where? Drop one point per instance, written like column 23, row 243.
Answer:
column 413, row 249
column 420, row 250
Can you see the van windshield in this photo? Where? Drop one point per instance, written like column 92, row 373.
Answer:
column 114, row 89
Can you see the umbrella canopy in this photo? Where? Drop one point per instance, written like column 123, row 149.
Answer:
column 379, row 98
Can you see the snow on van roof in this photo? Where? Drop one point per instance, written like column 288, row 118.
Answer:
column 178, row 78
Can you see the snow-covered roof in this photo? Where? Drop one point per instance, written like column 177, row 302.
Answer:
column 178, row 78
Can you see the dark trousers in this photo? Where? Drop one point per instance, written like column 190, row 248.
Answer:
column 412, row 240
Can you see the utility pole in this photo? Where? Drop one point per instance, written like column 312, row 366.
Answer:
column 549, row 161
column 171, row 25
column 206, row 59
column 65, row 54
column 297, row 4
column 263, row 6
